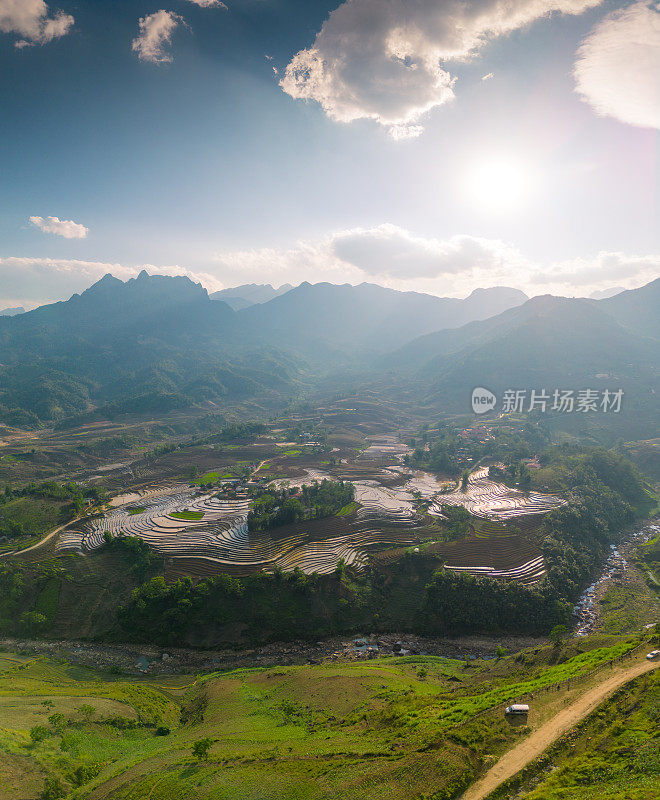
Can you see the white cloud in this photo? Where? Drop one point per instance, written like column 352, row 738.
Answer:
column 617, row 70
column 390, row 251
column 600, row 271
column 388, row 60
column 31, row 20
column 155, row 36
column 66, row 228
column 385, row 254
column 209, row 4
column 488, row 76
column 401, row 132
column 394, row 257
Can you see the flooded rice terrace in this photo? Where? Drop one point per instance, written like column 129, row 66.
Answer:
column 182, row 522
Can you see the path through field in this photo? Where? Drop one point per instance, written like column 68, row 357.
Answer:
column 539, row 741
column 43, row 541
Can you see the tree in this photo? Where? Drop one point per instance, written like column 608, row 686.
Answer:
column 33, row 622
column 57, row 722
column 53, row 789
column 500, row 652
column 201, row 749
column 558, row 634
column 86, row 711
column 465, row 479
column 38, row 733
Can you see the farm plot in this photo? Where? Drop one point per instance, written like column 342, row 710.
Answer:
column 213, row 533
column 490, row 500
column 383, row 447
column 202, row 534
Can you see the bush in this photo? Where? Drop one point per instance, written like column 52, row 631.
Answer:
column 85, row 773
column 201, row 749
column 53, row 790
column 38, row 733
column 57, row 722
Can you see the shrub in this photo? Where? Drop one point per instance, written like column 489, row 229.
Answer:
column 201, row 749
column 38, row 733
column 57, row 722
column 53, row 789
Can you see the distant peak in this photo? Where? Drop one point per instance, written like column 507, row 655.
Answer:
column 143, row 275
column 498, row 290
column 106, row 282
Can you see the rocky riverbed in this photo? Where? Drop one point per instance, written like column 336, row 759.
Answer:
column 135, row 659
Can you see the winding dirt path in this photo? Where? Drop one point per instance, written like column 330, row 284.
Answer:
column 538, row 741
column 41, row 542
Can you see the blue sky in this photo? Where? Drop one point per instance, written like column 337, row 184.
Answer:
column 195, row 159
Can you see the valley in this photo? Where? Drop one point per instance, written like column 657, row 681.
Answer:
column 330, row 400
column 336, row 594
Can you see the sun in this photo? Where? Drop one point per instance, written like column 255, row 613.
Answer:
column 498, row 184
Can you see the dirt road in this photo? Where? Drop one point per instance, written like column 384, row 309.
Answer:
column 41, row 542
column 538, row 741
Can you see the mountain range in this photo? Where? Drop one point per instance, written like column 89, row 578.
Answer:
column 249, row 294
column 154, row 342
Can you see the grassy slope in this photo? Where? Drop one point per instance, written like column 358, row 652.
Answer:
column 79, row 601
column 37, row 515
column 376, row 729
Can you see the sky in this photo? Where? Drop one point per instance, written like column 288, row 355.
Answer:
column 427, row 145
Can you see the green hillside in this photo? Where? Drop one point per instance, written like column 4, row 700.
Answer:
column 398, row 727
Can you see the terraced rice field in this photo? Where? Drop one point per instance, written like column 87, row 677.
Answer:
column 490, row 500
column 219, row 541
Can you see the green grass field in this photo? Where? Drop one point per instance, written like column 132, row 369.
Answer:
column 190, row 515
column 384, row 728
column 37, row 516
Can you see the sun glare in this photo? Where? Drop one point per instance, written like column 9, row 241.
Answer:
column 497, row 185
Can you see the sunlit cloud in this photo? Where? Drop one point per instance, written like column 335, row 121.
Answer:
column 66, row 228
column 209, row 4
column 395, row 257
column 385, row 254
column 156, row 36
column 33, row 22
column 617, row 70
column 391, row 61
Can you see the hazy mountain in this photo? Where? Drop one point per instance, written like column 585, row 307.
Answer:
column 637, row 309
column 602, row 294
column 547, row 343
column 323, row 318
column 148, row 344
column 12, row 312
column 153, row 343
column 249, row 294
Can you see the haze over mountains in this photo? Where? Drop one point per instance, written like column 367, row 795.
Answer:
column 155, row 342
column 239, row 297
